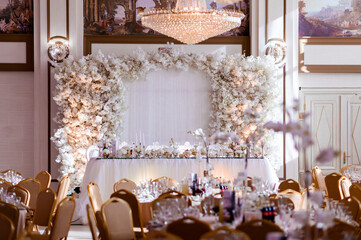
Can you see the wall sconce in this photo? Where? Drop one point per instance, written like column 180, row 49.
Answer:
column 277, row 48
column 58, row 49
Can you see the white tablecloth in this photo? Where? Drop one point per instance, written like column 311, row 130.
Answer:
column 106, row 172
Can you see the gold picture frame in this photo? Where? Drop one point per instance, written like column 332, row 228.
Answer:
column 17, row 26
column 304, row 41
column 159, row 39
column 29, row 64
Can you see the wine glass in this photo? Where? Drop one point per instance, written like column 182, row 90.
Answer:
column 285, row 218
column 208, row 204
column 324, row 219
column 257, row 183
column 239, row 213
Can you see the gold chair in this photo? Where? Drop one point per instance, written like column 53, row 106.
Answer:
column 170, row 194
column 125, row 184
column 24, row 236
column 225, row 233
column 344, row 184
column 333, row 189
column 338, row 230
column 162, row 235
column 44, row 178
column 355, row 191
column 45, row 206
column 289, row 184
column 100, row 224
column 117, row 219
column 95, row 197
column 353, row 206
column 343, row 169
column 61, row 222
column 188, row 228
column 304, row 200
column 21, row 192
column 273, row 195
column 4, row 184
column 92, row 224
column 63, row 189
column 12, row 212
column 215, row 202
column 319, row 180
column 132, row 200
column 169, row 182
column 33, row 186
column 294, row 196
column 7, row 228
column 275, row 201
column 258, row 229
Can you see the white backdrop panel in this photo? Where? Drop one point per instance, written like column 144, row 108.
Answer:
column 167, row 105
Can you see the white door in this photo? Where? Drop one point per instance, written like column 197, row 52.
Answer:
column 350, row 129
column 325, row 127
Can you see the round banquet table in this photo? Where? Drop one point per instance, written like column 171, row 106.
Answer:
column 106, row 172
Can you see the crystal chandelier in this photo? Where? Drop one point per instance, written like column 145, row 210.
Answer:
column 190, row 21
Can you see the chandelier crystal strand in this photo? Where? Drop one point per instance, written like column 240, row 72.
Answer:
column 190, row 21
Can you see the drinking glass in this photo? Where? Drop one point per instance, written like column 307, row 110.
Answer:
column 208, row 204
column 285, row 218
column 324, row 219
column 239, row 213
column 257, row 183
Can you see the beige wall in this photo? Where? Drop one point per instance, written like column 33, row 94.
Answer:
column 17, row 121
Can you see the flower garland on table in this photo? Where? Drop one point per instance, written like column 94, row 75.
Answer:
column 91, row 94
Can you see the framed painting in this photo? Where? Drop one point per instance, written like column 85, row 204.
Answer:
column 117, row 21
column 329, row 31
column 16, row 35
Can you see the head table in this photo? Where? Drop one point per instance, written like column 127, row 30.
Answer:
column 106, row 172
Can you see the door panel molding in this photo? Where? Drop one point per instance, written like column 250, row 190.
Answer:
column 325, row 126
column 351, row 129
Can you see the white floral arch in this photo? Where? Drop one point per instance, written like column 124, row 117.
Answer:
column 91, row 94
